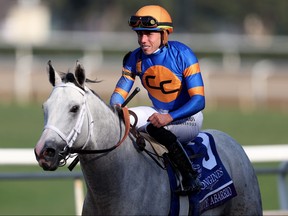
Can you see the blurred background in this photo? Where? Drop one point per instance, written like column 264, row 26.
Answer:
column 242, row 48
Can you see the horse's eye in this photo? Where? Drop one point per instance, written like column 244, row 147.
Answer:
column 74, row 109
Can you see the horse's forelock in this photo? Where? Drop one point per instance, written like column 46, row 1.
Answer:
column 70, row 77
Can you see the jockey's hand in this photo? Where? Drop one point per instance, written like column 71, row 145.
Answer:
column 117, row 107
column 160, row 120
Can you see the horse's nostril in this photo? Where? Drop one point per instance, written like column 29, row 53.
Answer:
column 49, row 153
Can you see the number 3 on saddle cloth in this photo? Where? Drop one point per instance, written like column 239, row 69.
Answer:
column 217, row 186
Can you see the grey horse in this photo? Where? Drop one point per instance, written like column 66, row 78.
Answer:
column 124, row 180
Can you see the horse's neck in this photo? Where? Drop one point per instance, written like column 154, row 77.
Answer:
column 107, row 124
column 108, row 131
column 112, row 166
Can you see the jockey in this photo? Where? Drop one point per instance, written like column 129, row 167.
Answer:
column 170, row 72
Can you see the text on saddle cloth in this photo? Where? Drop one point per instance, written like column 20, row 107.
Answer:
column 217, row 185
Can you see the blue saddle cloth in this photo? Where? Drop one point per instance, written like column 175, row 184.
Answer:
column 217, row 185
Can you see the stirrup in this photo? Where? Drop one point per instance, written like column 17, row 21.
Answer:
column 184, row 190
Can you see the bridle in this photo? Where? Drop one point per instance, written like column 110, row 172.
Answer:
column 72, row 136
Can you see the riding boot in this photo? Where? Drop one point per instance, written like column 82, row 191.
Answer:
column 176, row 153
column 190, row 181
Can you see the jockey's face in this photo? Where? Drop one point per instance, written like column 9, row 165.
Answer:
column 149, row 41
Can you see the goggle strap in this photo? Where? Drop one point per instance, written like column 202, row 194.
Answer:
column 165, row 24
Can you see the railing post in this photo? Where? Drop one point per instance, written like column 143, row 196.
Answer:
column 78, row 195
column 92, row 58
column 23, row 70
column 282, row 188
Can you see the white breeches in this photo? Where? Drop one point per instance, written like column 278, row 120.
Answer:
column 185, row 129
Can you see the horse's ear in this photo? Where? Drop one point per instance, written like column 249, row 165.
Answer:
column 80, row 73
column 54, row 77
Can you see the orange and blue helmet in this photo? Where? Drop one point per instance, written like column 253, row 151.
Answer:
column 151, row 18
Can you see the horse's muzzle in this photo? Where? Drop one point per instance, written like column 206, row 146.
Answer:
column 49, row 158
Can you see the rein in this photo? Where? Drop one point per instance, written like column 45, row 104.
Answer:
column 127, row 129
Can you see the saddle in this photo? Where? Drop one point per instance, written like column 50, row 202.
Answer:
column 158, row 148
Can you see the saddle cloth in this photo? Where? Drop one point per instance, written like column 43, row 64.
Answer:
column 217, row 185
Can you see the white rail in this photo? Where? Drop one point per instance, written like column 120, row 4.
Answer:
column 18, row 156
column 261, row 153
column 267, row 153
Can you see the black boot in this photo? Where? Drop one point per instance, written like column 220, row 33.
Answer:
column 190, row 182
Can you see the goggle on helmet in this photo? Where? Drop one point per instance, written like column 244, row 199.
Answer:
column 151, row 18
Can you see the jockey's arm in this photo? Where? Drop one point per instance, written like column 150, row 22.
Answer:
column 121, row 90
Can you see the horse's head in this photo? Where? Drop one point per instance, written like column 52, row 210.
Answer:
column 65, row 111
